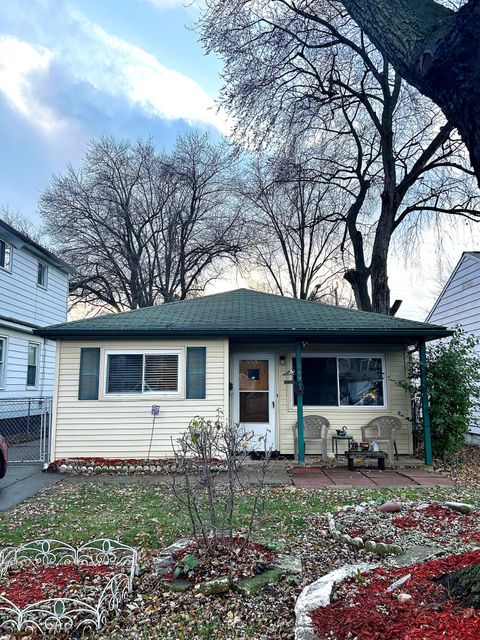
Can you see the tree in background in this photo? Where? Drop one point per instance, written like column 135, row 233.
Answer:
column 295, row 230
column 305, row 68
column 21, row 223
column 142, row 228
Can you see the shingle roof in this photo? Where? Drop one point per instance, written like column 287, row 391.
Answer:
column 242, row 313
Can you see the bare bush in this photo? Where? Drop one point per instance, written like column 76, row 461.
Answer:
column 211, row 498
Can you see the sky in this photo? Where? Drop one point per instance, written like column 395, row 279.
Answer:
column 74, row 70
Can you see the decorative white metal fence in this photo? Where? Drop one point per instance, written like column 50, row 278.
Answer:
column 25, row 423
column 65, row 615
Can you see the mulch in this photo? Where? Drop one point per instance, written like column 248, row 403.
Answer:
column 370, row 612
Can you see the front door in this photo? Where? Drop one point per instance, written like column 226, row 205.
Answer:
column 254, row 395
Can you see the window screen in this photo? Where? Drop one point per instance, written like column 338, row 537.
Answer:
column 196, row 372
column 161, row 372
column 124, row 373
column 32, row 362
column 5, row 255
column 142, row 373
column 89, row 373
column 42, row 275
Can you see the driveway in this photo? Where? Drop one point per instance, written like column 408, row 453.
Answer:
column 23, row 481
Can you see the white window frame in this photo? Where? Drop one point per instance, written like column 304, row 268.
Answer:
column 345, row 407
column 145, row 352
column 3, row 364
column 42, row 286
column 37, row 364
column 7, row 246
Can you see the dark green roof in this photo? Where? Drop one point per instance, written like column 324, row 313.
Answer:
column 243, row 313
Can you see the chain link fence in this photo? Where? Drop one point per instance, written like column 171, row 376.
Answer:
column 25, row 424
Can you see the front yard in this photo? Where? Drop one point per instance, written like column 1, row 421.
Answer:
column 147, row 517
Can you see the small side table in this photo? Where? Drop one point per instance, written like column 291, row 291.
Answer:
column 335, row 440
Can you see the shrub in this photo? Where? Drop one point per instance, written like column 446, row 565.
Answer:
column 210, row 497
column 453, row 375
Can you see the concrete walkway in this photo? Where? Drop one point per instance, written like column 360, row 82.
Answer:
column 341, row 477
column 23, row 480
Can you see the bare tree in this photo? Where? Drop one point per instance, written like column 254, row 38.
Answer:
column 142, row 228
column 295, row 225
column 304, row 67
column 21, row 223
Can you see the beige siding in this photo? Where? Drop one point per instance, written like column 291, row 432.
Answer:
column 120, row 427
column 352, row 417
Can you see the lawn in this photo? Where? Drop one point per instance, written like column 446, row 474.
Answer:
column 148, row 518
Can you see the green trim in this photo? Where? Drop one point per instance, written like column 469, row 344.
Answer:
column 298, row 379
column 427, row 436
column 196, row 373
column 86, row 375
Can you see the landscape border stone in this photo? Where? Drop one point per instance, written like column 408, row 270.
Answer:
column 104, row 466
column 318, row 594
column 382, row 548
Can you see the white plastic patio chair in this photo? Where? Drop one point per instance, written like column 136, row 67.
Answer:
column 384, row 429
column 315, row 430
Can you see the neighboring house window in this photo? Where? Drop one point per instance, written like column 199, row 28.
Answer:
column 138, row 372
column 42, row 275
column 5, row 255
column 3, row 360
column 331, row 381
column 32, row 364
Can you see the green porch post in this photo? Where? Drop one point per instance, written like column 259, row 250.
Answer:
column 427, row 437
column 298, row 372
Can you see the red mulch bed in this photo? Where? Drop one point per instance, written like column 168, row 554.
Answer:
column 436, row 513
column 231, row 558
column 367, row 612
column 26, row 585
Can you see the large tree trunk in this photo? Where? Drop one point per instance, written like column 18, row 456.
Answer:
column 464, row 585
column 436, row 50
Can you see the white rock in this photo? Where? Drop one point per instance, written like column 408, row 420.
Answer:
column 317, row 595
column 404, row 597
column 461, row 507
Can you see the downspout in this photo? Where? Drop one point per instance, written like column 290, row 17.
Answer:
column 299, row 389
column 427, row 436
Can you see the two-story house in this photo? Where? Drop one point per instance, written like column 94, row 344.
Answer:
column 33, row 293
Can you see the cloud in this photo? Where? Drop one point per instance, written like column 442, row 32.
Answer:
column 172, row 4
column 79, row 52
column 21, row 64
column 121, row 69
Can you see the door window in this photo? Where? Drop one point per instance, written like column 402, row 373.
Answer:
column 254, row 391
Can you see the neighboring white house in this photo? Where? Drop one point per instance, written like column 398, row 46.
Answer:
column 459, row 305
column 33, row 293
